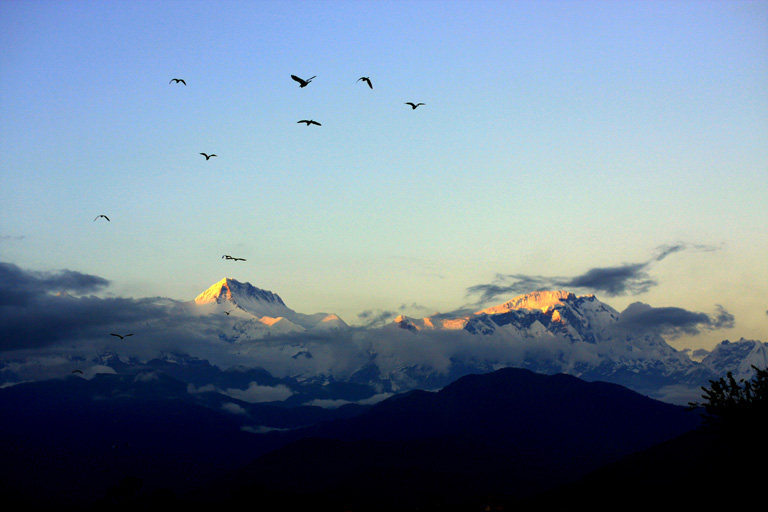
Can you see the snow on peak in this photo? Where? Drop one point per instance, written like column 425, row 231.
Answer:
column 542, row 300
column 231, row 290
column 263, row 305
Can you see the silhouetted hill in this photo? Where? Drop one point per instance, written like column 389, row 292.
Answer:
column 511, row 432
column 71, row 440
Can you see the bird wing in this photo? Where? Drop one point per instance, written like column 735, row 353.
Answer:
column 182, row 81
column 311, row 78
column 315, row 122
column 303, row 121
column 106, row 217
column 113, row 334
column 298, row 79
column 128, row 335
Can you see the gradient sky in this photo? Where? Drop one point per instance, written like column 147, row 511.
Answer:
column 558, row 140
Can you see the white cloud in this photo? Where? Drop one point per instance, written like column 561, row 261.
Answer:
column 234, row 408
column 258, row 393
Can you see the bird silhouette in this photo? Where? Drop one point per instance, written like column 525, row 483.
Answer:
column 207, row 157
column 228, row 312
column 121, row 336
column 77, row 371
column 366, row 80
column 177, row 80
column 228, row 257
column 302, row 83
column 97, row 218
column 413, row 105
column 309, row 122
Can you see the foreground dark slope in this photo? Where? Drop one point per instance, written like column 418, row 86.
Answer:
column 70, row 441
column 511, row 432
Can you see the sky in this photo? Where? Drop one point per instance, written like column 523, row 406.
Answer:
column 614, row 148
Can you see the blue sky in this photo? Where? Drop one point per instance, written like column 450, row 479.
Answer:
column 556, row 138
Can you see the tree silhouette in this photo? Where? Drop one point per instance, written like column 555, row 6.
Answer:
column 731, row 404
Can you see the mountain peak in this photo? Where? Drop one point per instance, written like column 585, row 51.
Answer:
column 542, row 300
column 232, row 290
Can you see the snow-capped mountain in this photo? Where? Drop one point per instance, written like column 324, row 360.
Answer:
column 245, row 301
column 557, row 331
column 737, row 357
column 553, row 313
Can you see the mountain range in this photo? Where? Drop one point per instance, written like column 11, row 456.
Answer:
column 246, row 342
column 546, row 331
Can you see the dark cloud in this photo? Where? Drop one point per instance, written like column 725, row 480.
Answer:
column 510, row 284
column 372, row 318
column 665, row 250
column 404, row 306
column 18, row 287
column 672, row 321
column 34, row 313
column 723, row 319
column 622, row 280
column 625, row 279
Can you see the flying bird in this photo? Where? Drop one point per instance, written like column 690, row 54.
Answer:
column 228, row 312
column 413, row 105
column 177, row 80
column 121, row 337
column 302, row 83
column 97, row 218
column 309, row 122
column 366, row 80
column 77, row 371
column 228, row 257
column 207, row 157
